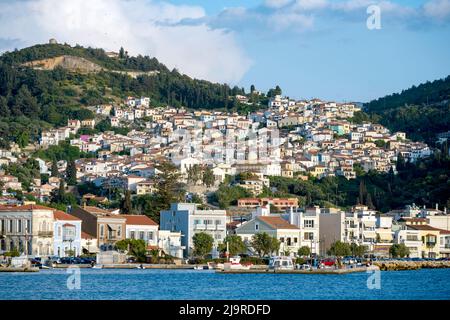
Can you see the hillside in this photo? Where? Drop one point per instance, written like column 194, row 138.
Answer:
column 421, row 111
column 79, row 65
column 44, row 85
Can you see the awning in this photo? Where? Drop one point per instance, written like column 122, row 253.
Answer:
column 385, row 236
column 113, row 227
column 91, row 249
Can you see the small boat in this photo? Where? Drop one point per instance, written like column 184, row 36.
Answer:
column 235, row 264
column 281, row 263
column 97, row 266
column 201, row 267
column 140, row 267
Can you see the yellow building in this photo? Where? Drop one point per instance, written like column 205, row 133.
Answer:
column 429, row 236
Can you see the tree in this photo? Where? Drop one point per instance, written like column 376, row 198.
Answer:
column 399, row 250
column 58, row 195
column 362, row 192
column 126, row 205
column 400, row 165
column 71, row 173
column 264, row 244
column 208, row 177
column 235, row 245
column 121, row 53
column 55, row 171
column 340, row 249
column 203, row 244
column 135, row 247
column 304, row 251
column 358, row 251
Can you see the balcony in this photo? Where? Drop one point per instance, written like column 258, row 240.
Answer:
column 199, row 227
column 45, row 234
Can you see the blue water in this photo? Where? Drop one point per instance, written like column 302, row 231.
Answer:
column 193, row 284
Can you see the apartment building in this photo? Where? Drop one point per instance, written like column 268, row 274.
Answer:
column 189, row 220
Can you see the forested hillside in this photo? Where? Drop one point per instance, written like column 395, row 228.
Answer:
column 420, row 111
column 31, row 100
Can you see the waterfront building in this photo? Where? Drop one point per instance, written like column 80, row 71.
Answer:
column 108, row 228
column 189, row 220
column 143, row 228
column 27, row 229
column 275, row 226
column 309, row 224
column 67, row 235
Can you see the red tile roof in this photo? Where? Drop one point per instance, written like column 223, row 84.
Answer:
column 277, row 222
column 60, row 215
column 138, row 220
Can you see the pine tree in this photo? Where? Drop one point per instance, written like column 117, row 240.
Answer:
column 126, row 206
column 71, row 173
column 55, row 171
column 362, row 192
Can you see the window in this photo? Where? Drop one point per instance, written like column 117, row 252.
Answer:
column 309, row 223
column 132, row 235
column 150, row 235
column 256, row 226
column 197, row 221
column 19, row 226
column 208, row 222
column 308, row 236
column 119, row 231
column 28, row 227
column 59, row 231
column 10, row 226
column 295, row 240
column 102, row 230
column 281, row 239
column 218, row 222
column 141, row 235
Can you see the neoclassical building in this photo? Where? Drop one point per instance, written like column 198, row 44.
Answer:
column 27, row 229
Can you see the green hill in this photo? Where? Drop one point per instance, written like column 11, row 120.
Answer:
column 420, row 111
column 32, row 99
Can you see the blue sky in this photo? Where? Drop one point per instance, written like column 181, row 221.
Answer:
column 311, row 48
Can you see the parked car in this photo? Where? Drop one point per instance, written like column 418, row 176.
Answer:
column 131, row 260
column 36, row 263
column 328, row 262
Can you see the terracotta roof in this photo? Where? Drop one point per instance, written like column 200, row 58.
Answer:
column 27, row 207
column 423, row 227
column 138, row 220
column 277, row 222
column 85, row 235
column 60, row 215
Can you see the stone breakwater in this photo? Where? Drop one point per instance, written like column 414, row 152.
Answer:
column 410, row 265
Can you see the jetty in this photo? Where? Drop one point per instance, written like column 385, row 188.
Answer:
column 307, row 271
column 15, row 269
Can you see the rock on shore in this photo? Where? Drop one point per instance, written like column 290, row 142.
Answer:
column 410, row 265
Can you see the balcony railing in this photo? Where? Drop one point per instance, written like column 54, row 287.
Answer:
column 45, row 233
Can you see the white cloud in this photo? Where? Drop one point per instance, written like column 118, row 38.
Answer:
column 310, row 4
column 276, row 3
column 437, row 9
column 141, row 26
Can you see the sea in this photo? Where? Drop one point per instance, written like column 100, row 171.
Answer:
column 151, row 284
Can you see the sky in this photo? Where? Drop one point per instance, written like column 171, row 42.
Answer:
column 310, row 48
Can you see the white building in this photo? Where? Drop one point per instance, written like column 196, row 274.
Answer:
column 189, row 220
column 67, row 235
